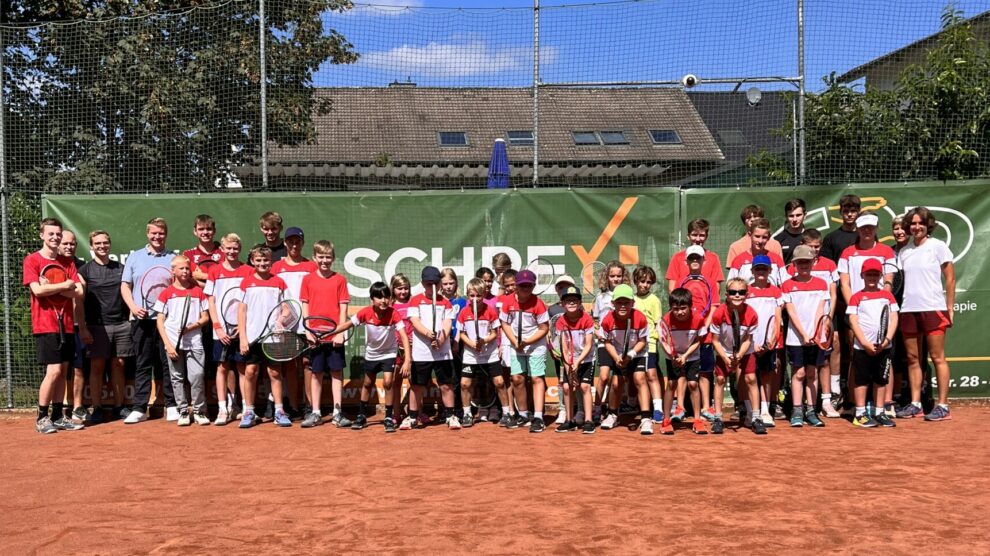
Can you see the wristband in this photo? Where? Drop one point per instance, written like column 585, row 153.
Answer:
column 631, row 354
column 217, row 326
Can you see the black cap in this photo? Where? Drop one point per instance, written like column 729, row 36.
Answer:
column 431, row 275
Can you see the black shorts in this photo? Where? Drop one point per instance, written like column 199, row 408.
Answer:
column 424, row 371
column 327, row 357
column 691, row 370
column 637, row 365
column 706, row 358
column 871, row 369
column 48, row 351
column 766, row 362
column 256, row 356
column 604, row 359
column 585, row 374
column 381, row 366
column 233, row 354
column 802, row 356
column 481, row 370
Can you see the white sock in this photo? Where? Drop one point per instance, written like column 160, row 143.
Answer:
column 336, row 412
column 764, row 407
column 942, row 405
column 506, row 410
column 316, row 411
column 878, row 410
column 537, row 415
column 833, row 380
column 918, row 404
column 524, row 414
column 860, row 411
column 222, row 405
column 467, row 411
column 826, row 397
column 657, row 404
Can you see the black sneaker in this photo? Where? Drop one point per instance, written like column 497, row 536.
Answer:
column 97, row 416
column 718, row 427
column 523, row 421
column 359, row 423
column 505, row 421
column 884, row 420
column 588, row 428
column 467, row 421
column 566, row 426
column 389, row 424
column 537, row 425
column 759, row 427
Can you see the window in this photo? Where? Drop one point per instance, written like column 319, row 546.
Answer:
column 665, row 137
column 614, row 137
column 520, row 138
column 732, row 137
column 453, row 139
column 585, row 138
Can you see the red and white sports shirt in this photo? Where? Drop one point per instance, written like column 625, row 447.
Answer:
column 867, row 306
column 685, row 332
column 171, row 303
column 221, row 280
column 44, row 310
column 852, row 259
column 380, row 342
column 432, row 316
column 721, row 327
column 533, row 313
column 742, row 267
column 260, row 297
column 614, row 328
column 578, row 331
column 809, row 300
column 487, row 322
column 764, row 302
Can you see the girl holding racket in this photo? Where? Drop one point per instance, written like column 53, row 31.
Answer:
column 804, row 298
column 927, row 313
column 401, row 294
column 262, row 293
column 873, row 318
column 615, row 273
column 576, row 329
column 223, row 293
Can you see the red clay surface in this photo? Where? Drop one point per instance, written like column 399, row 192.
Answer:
column 154, row 488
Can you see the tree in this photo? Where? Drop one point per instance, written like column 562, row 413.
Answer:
column 157, row 95
column 934, row 123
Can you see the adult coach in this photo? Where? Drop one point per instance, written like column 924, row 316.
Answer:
column 104, row 326
column 790, row 237
column 49, row 303
column 926, row 313
column 151, row 357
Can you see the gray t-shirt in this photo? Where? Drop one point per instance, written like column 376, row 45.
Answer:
column 103, row 303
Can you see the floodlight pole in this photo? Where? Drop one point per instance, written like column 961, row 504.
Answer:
column 5, row 222
column 263, row 79
column 800, row 108
column 536, row 93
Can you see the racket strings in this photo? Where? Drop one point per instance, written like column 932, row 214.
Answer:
column 283, row 346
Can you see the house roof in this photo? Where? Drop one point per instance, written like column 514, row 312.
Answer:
column 978, row 21
column 401, row 124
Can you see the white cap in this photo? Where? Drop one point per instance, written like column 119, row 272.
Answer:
column 694, row 250
column 565, row 279
column 867, row 220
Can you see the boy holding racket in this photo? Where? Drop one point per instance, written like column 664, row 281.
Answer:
column 182, row 313
column 766, row 300
column 525, row 323
column 385, row 331
column 704, row 301
column 733, row 325
column 804, row 298
column 681, row 331
column 53, row 283
column 577, row 339
column 324, row 294
column 431, row 316
column 292, row 269
column 262, row 294
column 479, row 326
column 223, row 291
column 873, row 318
column 649, row 304
column 625, row 332
column 146, row 273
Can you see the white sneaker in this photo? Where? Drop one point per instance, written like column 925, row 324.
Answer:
column 184, row 419
column 171, row 413
column 646, row 427
column 829, row 410
column 201, row 419
column 407, row 424
column 222, row 418
column 453, row 423
column 561, row 417
column 767, row 419
column 610, row 421
column 135, row 417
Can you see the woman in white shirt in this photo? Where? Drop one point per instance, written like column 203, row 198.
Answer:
column 926, row 312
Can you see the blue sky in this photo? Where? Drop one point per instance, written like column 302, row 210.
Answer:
column 485, row 43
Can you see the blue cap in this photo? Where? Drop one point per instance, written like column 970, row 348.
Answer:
column 293, row 232
column 431, row 275
column 761, row 260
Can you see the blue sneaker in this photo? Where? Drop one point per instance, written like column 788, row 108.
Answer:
column 811, row 417
column 909, row 411
column 797, row 417
column 939, row 413
column 657, row 416
column 282, row 419
column 248, row 420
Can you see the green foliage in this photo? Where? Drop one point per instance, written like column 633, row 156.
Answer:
column 163, row 100
column 934, row 123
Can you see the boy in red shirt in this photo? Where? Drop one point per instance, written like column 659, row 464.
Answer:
column 626, row 333
column 578, row 371
column 687, row 328
column 734, row 345
column 432, row 317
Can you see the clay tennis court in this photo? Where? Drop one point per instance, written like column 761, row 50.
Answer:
column 155, row 488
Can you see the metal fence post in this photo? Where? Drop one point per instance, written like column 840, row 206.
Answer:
column 5, row 223
column 264, row 93
column 800, row 107
column 536, row 93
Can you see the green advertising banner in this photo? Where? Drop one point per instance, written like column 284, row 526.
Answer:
column 963, row 214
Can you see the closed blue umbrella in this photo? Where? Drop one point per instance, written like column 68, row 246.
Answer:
column 498, row 166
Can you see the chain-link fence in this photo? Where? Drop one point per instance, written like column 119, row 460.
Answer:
column 106, row 97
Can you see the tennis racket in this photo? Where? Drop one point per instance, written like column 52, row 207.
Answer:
column 897, row 280
column 666, row 339
column 185, row 320
column 736, row 331
column 770, row 334
column 567, row 347
column 545, row 272
column 625, row 338
column 884, row 325
column 554, row 338
column 280, row 342
column 823, row 332
column 320, row 327
column 519, row 329
column 477, row 325
column 55, row 274
column 696, row 283
column 229, row 305
column 433, row 316
column 206, row 265
column 153, row 283
column 592, row 276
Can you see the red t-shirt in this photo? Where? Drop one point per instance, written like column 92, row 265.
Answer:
column 197, row 256
column 44, row 310
column 324, row 295
column 711, row 269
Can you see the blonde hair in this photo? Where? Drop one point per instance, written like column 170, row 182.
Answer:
column 737, row 280
column 179, row 259
column 231, row 238
column 448, row 272
column 157, row 222
column 603, row 278
column 399, row 281
column 477, row 286
column 324, row 247
column 501, row 262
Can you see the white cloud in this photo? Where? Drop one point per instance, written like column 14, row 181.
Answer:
column 456, row 60
column 384, row 7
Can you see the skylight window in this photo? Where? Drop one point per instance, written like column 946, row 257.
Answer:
column 585, row 138
column 453, row 139
column 665, row 137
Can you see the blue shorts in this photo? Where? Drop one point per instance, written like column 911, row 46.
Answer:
column 802, row 356
column 327, row 357
column 233, row 354
column 706, row 358
column 652, row 361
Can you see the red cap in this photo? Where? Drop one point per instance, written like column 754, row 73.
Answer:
column 871, row 264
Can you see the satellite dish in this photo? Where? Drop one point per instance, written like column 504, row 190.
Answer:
column 753, row 96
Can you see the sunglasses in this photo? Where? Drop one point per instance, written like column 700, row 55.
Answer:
column 735, row 292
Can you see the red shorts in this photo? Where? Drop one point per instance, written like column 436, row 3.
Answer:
column 926, row 323
column 747, row 365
